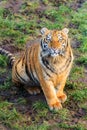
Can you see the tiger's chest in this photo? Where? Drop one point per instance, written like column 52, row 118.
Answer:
column 56, row 73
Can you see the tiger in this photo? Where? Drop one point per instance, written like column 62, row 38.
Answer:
column 44, row 65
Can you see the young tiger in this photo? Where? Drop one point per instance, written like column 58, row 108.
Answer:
column 45, row 63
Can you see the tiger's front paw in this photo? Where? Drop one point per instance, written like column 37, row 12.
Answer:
column 62, row 97
column 55, row 106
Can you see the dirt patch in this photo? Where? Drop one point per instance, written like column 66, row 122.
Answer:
column 11, row 48
column 14, row 6
column 75, row 43
column 78, row 115
column 77, row 4
column 2, row 127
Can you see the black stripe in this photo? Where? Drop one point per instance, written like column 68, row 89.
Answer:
column 33, row 78
column 17, row 74
column 47, row 73
column 42, row 43
column 67, row 63
column 35, row 67
column 11, row 60
column 47, row 65
column 29, row 73
column 23, row 60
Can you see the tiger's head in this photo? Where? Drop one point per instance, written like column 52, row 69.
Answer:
column 54, row 42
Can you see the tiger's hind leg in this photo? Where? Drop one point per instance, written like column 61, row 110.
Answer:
column 33, row 90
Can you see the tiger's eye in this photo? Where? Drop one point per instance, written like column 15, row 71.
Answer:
column 64, row 44
column 48, row 37
column 60, row 37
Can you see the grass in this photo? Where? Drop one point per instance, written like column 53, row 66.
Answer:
column 40, row 105
column 8, row 115
column 74, row 81
column 3, row 61
column 56, row 17
column 18, row 31
column 24, row 25
column 82, row 60
column 7, row 84
column 75, row 127
column 80, row 95
column 79, row 18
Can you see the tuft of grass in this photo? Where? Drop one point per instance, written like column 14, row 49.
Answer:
column 74, row 80
column 10, row 117
column 63, row 114
column 3, row 61
column 6, row 84
column 43, row 126
column 59, row 16
column 5, row 104
column 82, row 60
column 41, row 108
column 39, row 105
column 2, row 71
column 80, row 32
column 80, row 95
column 7, row 114
column 16, row 27
column 71, row 127
column 21, row 101
column 45, row 2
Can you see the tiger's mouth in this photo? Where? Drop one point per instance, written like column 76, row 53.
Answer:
column 53, row 52
column 56, row 52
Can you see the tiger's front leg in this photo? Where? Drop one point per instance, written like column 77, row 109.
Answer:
column 60, row 92
column 50, row 94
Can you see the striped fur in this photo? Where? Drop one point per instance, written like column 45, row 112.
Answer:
column 8, row 54
column 46, row 63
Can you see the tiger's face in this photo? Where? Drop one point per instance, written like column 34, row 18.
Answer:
column 54, row 42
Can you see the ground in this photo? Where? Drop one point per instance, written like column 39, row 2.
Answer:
column 21, row 21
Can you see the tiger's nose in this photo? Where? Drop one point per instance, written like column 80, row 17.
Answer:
column 54, row 51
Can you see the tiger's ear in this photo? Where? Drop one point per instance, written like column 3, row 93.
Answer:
column 65, row 30
column 43, row 30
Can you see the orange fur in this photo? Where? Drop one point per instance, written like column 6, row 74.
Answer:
column 42, row 66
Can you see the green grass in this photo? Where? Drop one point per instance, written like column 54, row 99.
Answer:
column 7, row 84
column 19, row 31
column 80, row 33
column 8, row 115
column 80, row 95
column 75, row 127
column 41, row 110
column 63, row 114
column 82, row 60
column 3, row 61
column 74, row 80
column 59, row 17
column 39, row 105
